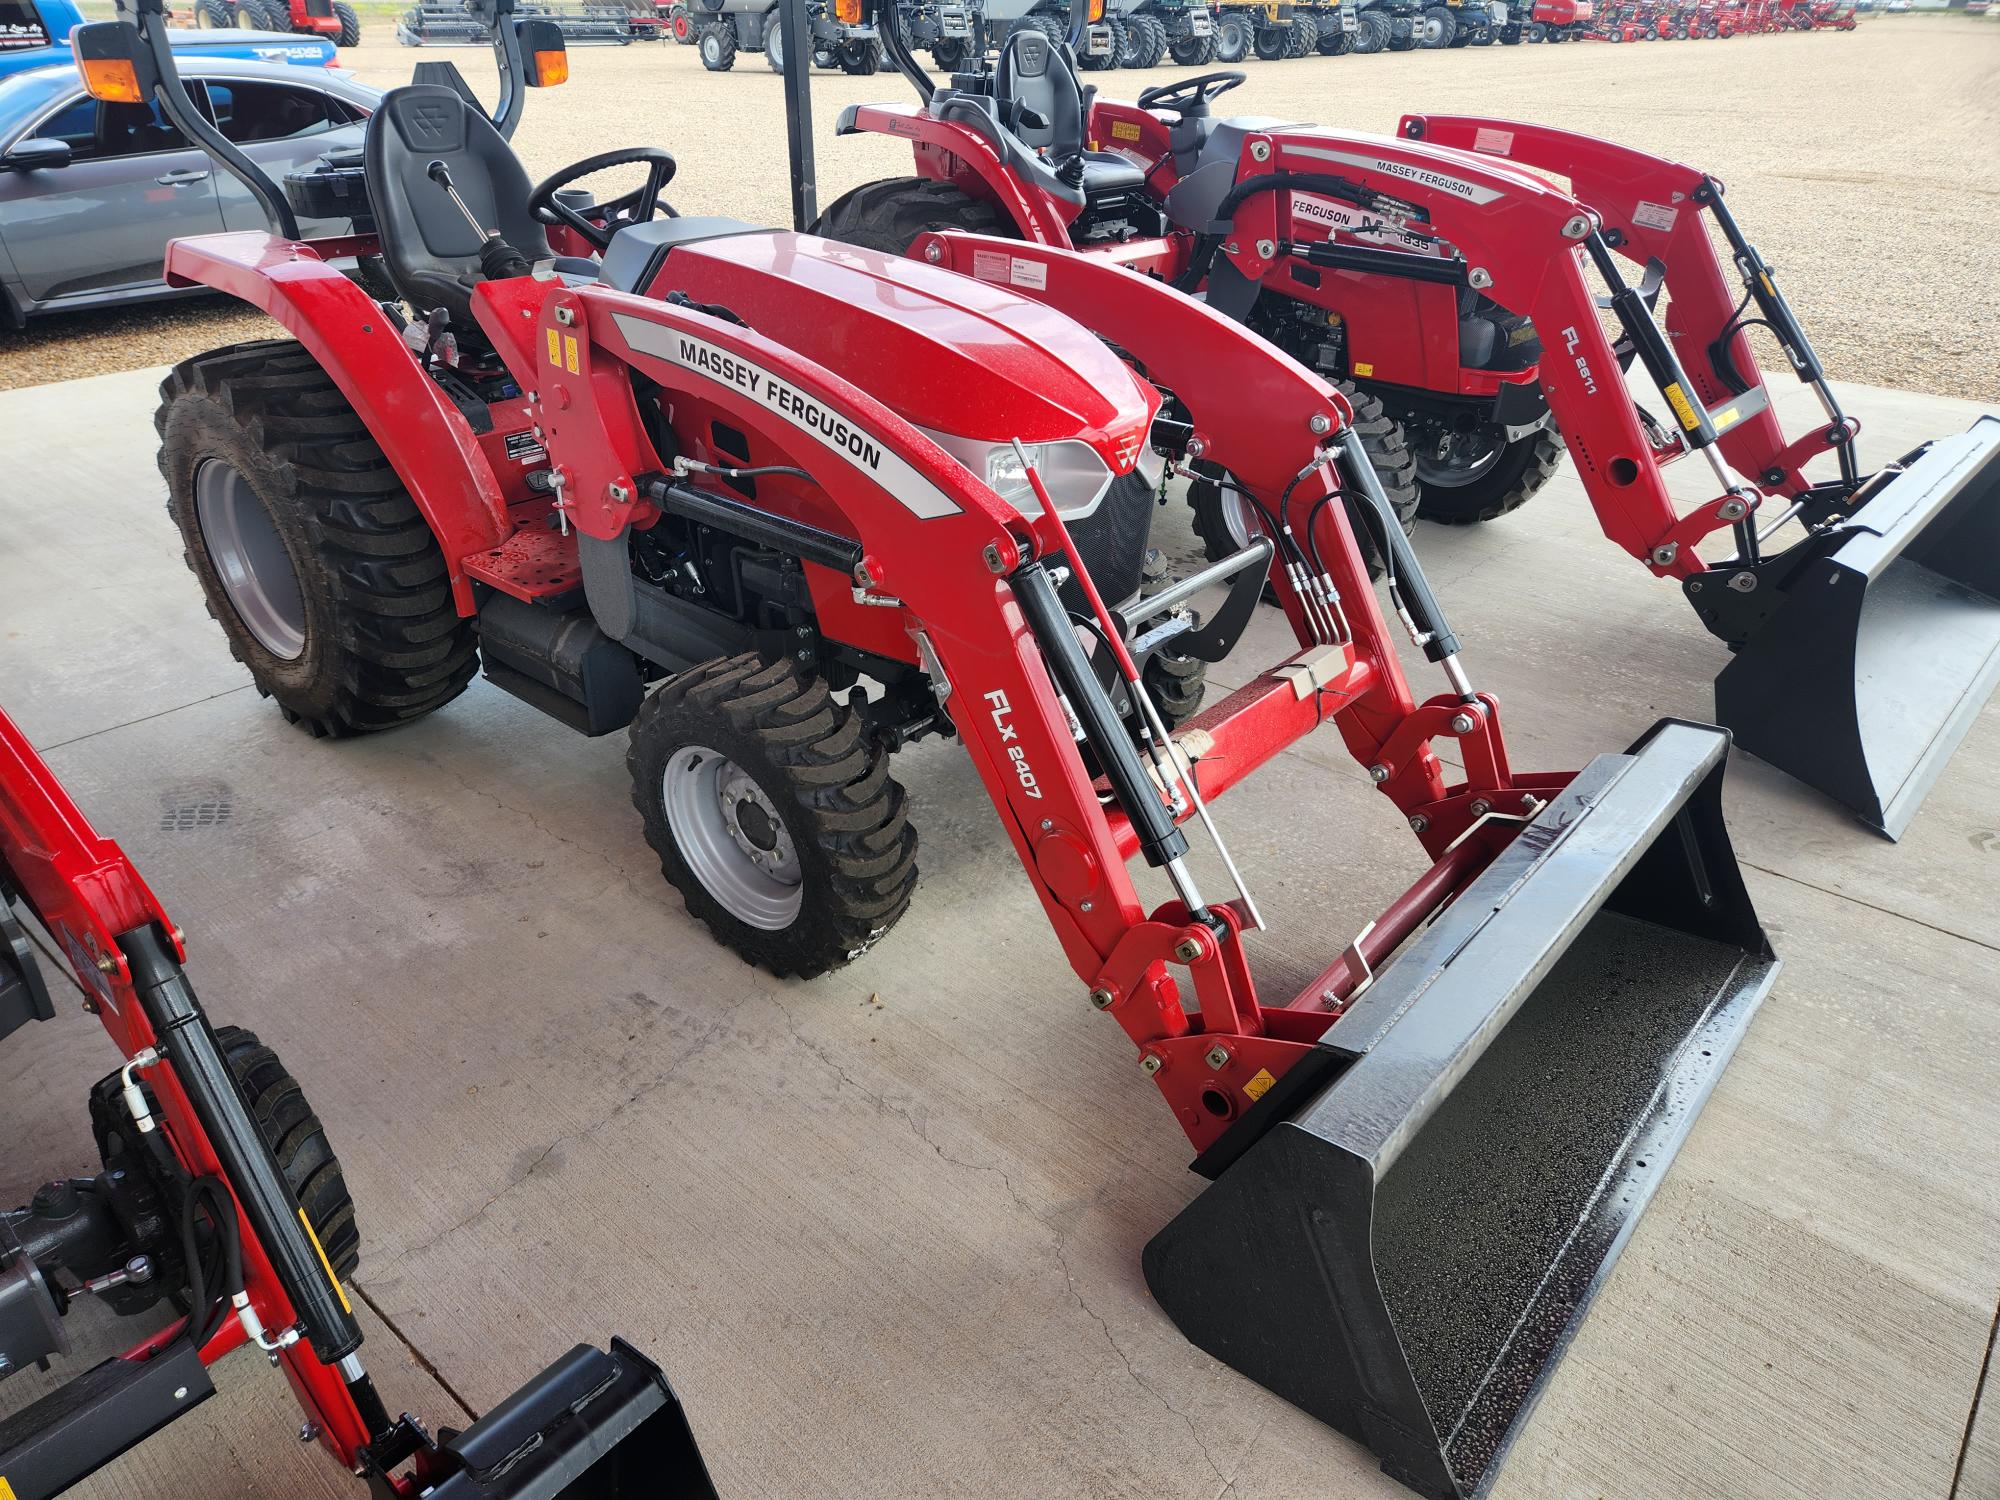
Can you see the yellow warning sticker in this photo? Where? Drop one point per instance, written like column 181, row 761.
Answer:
column 1676, row 398
column 6, row 1489
column 1725, row 418
column 1259, row 1086
column 569, row 353
column 1124, row 130
column 555, row 349
column 1362, row 371
column 325, row 1264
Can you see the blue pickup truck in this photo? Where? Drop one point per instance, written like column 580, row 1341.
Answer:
column 35, row 33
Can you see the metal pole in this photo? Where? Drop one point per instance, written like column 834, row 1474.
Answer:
column 798, row 112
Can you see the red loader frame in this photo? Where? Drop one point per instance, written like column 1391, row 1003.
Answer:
column 125, row 953
column 1387, row 232
column 915, row 559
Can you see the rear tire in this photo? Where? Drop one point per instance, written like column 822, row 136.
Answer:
column 1272, row 42
column 860, row 59
column 718, row 47
column 1218, row 520
column 1333, row 42
column 251, row 15
column 889, row 214
column 322, row 572
column 212, row 15
column 1155, row 49
column 1231, row 39
column 1439, row 27
column 949, row 54
column 774, row 43
column 737, row 754
column 1371, row 34
column 350, row 25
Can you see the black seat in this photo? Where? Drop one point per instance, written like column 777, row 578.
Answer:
column 1043, row 105
column 431, row 253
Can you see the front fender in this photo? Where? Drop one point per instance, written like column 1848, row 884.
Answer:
column 423, row 435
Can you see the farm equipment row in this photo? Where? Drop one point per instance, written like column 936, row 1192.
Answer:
column 1647, row 21
column 778, row 506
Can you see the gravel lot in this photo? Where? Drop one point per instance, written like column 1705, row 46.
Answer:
column 1862, row 163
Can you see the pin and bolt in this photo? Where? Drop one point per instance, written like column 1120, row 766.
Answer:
column 1217, row 1058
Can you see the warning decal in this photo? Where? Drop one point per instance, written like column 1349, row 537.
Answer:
column 1259, row 1086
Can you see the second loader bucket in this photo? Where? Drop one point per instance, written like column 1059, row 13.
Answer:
column 1886, row 644
column 1405, row 1240
column 595, row 1425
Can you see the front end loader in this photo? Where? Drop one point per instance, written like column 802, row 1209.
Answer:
column 633, row 466
column 221, row 1198
column 1443, row 275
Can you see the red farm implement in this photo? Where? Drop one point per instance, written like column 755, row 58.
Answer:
column 220, row 1195
column 647, row 486
column 1440, row 273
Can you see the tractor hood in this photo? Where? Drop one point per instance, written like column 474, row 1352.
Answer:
column 959, row 358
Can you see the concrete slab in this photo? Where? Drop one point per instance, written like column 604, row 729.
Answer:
column 883, row 1229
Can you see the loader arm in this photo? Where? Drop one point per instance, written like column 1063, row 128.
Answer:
column 1653, row 209
column 1530, row 248
column 970, row 575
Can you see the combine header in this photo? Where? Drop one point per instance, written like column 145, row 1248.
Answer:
column 628, row 462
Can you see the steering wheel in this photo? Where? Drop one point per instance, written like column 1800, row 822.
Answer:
column 1190, row 96
column 635, row 207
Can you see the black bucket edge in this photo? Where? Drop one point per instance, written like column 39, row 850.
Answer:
column 1272, row 1270
column 594, row 1424
column 1791, row 695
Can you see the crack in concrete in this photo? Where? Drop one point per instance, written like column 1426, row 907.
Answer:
column 1900, row 916
column 687, row 1055
column 1061, row 1242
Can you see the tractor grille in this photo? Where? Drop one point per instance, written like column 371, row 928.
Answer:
column 1111, row 542
column 320, row 9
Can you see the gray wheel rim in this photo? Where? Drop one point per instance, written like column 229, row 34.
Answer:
column 732, row 837
column 250, row 558
column 1236, row 517
column 1458, row 458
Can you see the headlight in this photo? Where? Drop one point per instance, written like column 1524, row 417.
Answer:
column 1075, row 477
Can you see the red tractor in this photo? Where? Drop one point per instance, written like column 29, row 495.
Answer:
column 1458, row 291
column 329, row 18
column 221, row 1199
column 779, row 506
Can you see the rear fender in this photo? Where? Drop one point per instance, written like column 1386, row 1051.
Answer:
column 947, row 152
column 1651, row 203
column 422, row 434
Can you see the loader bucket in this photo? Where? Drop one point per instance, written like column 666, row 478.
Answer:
column 1405, row 1242
column 1887, row 644
column 595, row 1425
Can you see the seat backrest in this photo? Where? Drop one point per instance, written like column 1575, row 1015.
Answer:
column 430, row 252
column 1034, row 75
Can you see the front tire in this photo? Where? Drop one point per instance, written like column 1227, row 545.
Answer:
column 717, row 45
column 1272, row 42
column 1232, row 39
column 212, row 15
column 1371, row 34
column 949, row 54
column 889, row 214
column 1506, row 483
column 1219, row 516
column 298, row 1140
column 1439, row 27
column 772, row 814
column 350, row 25
column 1193, row 51
column 313, row 558
column 774, row 43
